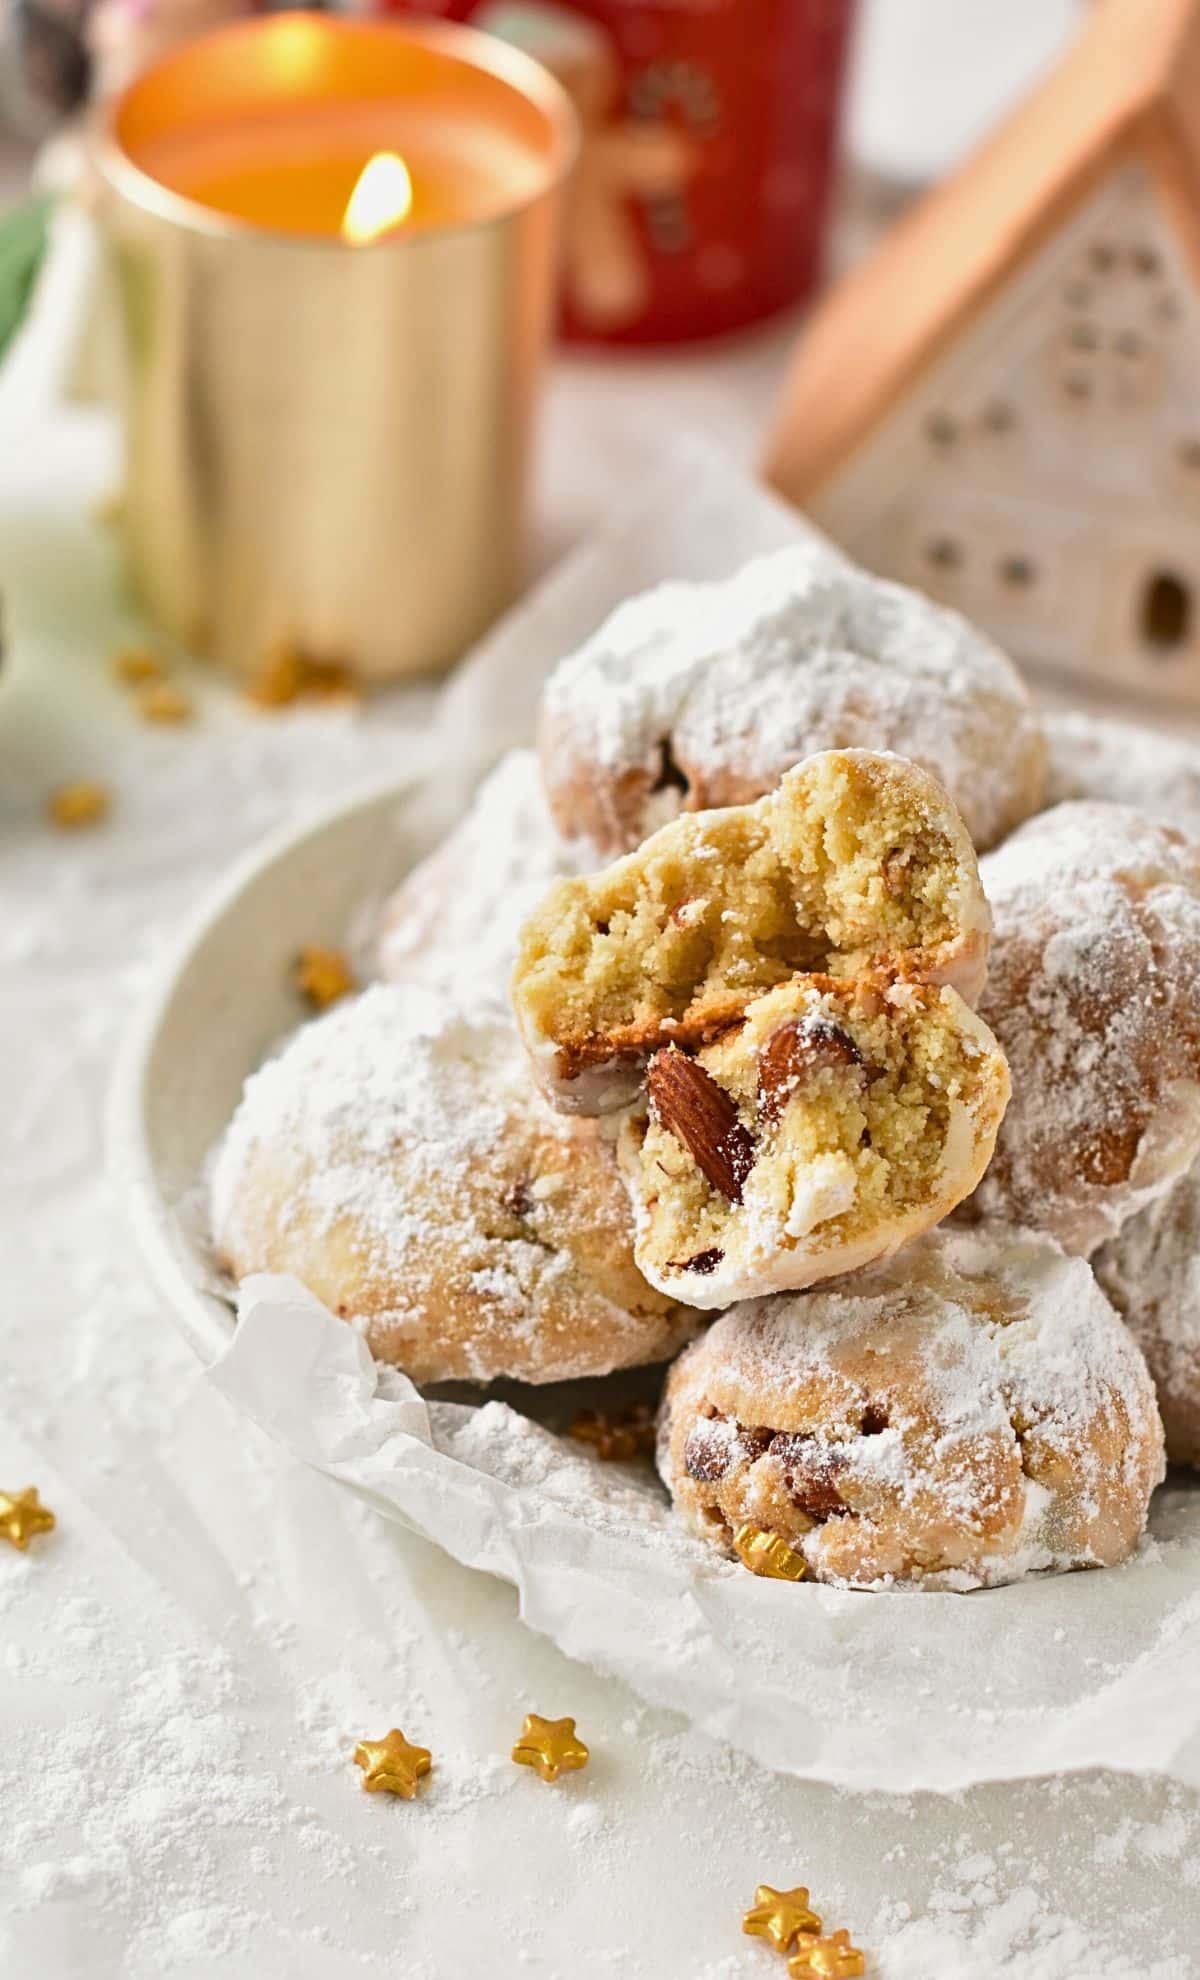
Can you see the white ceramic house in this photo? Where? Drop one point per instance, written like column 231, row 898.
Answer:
column 1002, row 406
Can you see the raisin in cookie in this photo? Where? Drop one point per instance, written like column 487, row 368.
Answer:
column 395, row 1158
column 1151, row 1273
column 1094, row 993
column 700, row 695
column 836, row 1121
column 857, row 861
column 970, row 1412
column 454, row 920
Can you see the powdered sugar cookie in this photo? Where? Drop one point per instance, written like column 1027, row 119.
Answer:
column 1120, row 763
column 1094, row 993
column 454, row 920
column 699, row 695
column 857, row 861
column 835, row 1122
column 1151, row 1273
column 966, row 1414
column 395, row 1158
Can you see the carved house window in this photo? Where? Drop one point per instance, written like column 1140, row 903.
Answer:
column 1166, row 612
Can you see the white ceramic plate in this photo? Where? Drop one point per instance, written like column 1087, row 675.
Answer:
column 221, row 1001
column 599, row 1562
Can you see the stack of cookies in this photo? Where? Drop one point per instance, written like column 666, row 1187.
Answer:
column 707, row 1030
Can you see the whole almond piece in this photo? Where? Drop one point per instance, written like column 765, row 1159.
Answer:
column 699, row 1113
column 797, row 1049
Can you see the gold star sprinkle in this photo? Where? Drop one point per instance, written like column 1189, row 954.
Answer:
column 833, row 1958
column 287, row 675
column 629, row 1433
column 72, row 807
column 22, row 1515
column 323, row 975
column 780, row 1916
column 134, row 665
column 549, row 1745
column 392, row 1765
column 158, row 701
column 765, row 1553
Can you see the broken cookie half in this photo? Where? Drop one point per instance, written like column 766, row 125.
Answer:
column 831, row 1123
column 857, row 864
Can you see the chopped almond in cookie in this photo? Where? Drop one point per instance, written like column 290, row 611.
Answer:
column 832, row 1123
column 857, row 863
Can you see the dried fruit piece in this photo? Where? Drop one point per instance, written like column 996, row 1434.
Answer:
column 701, row 1262
column 716, row 1444
column 794, row 1052
column 809, row 1472
column 518, row 1200
column 690, row 1105
column 323, row 976
column 74, row 806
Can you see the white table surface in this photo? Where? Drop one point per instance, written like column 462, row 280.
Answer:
column 188, row 1661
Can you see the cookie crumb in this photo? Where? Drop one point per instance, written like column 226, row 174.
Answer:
column 625, row 1434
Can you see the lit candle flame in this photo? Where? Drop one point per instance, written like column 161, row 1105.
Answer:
column 381, row 200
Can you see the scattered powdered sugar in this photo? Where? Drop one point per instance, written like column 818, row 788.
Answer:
column 1092, row 757
column 398, row 1068
column 1007, row 1323
column 1151, row 1272
column 190, row 1658
column 384, row 1109
column 453, row 923
column 800, row 651
column 1094, row 992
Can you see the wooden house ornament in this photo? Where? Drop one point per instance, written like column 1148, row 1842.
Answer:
column 1001, row 405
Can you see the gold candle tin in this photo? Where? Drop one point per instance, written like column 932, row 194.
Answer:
column 326, row 444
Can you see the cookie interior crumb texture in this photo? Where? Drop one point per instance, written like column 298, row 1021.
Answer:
column 833, row 1123
column 857, row 861
column 694, row 696
column 965, row 1415
column 396, row 1159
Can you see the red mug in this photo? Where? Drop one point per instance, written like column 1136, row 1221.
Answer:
column 703, row 191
